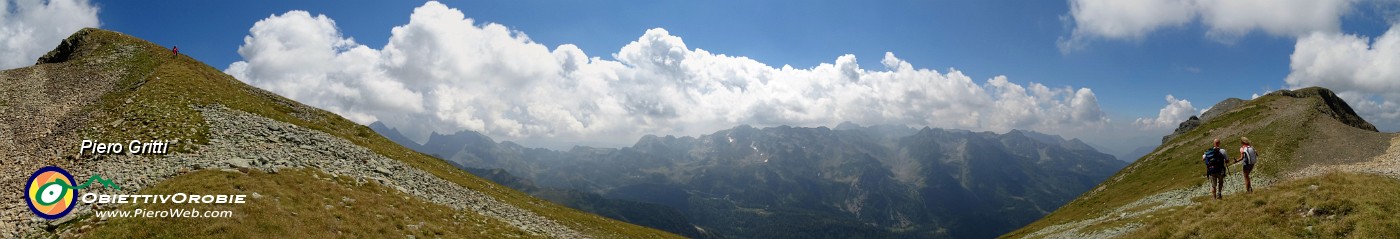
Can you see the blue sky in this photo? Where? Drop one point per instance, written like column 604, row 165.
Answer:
column 980, row 38
column 1129, row 76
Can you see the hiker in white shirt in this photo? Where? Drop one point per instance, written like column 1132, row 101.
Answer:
column 1249, row 156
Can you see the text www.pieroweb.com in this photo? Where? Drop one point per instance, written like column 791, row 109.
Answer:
column 164, row 213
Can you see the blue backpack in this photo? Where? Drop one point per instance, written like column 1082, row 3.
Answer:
column 1214, row 158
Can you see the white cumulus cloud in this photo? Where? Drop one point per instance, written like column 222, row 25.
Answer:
column 1127, row 19
column 1177, row 110
column 443, row 72
column 30, row 28
column 1226, row 20
column 1231, row 19
column 1364, row 71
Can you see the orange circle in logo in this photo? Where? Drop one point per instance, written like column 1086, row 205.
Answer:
column 50, row 192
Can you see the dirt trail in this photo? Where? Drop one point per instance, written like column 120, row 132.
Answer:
column 1165, row 200
column 1387, row 164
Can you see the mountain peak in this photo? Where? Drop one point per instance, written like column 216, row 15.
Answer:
column 1221, row 108
column 75, row 46
column 394, row 135
column 847, row 125
column 90, row 43
column 1297, row 134
column 1323, row 101
column 1330, row 104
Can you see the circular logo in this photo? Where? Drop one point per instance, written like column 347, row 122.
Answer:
column 51, row 192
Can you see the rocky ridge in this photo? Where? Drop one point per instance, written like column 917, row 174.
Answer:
column 1300, row 133
column 40, row 114
column 243, row 141
column 108, row 86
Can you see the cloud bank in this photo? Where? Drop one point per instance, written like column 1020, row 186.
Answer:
column 30, row 28
column 1226, row 20
column 1364, row 71
column 1176, row 111
column 443, row 72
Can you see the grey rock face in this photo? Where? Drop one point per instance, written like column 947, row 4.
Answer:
column 1220, row 108
column 1185, row 126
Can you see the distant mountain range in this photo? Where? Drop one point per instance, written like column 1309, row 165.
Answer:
column 793, row 182
column 1128, row 154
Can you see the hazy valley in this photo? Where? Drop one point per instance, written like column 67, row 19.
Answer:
column 847, row 181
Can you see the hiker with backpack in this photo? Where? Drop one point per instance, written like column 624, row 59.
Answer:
column 1214, row 159
column 1249, row 156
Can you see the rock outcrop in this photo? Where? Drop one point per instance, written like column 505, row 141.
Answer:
column 1330, row 104
column 1182, row 128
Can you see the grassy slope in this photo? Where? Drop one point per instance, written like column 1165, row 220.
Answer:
column 1276, row 124
column 1332, row 206
column 160, row 87
column 293, row 202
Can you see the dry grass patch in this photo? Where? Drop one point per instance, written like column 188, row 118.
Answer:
column 1331, row 206
column 301, row 203
column 1176, row 164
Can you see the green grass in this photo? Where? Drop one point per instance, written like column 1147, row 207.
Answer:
column 294, row 202
column 1343, row 206
column 161, row 88
column 1178, row 164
